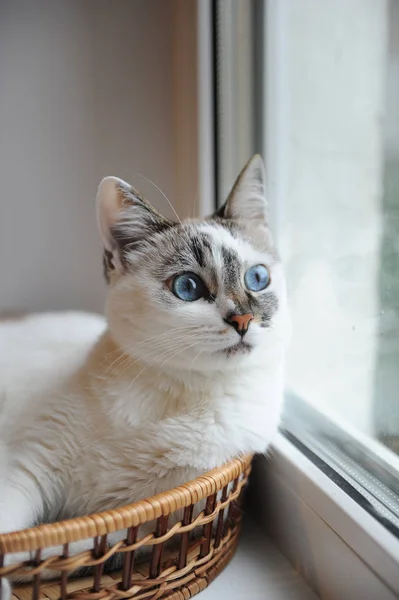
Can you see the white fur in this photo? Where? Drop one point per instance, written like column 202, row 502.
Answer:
column 94, row 417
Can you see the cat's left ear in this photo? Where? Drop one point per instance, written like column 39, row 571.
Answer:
column 125, row 219
column 247, row 199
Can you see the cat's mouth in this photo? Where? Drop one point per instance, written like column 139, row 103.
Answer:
column 240, row 348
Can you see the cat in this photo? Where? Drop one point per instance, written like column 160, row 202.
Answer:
column 185, row 373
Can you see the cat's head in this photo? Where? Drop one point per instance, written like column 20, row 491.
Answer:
column 200, row 294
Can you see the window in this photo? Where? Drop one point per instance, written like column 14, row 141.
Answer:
column 321, row 104
column 339, row 227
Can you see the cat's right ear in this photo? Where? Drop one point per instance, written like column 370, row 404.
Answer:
column 247, row 200
column 124, row 220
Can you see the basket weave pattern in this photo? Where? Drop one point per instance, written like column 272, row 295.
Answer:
column 183, row 558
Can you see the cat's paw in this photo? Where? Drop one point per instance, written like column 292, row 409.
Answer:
column 5, row 590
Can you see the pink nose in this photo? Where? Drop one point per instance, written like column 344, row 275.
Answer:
column 241, row 322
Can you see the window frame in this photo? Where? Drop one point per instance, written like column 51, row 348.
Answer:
column 339, row 548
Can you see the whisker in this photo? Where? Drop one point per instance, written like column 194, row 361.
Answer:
column 160, row 348
column 179, row 352
column 163, row 194
column 145, row 342
column 158, row 358
column 135, row 346
column 200, row 352
column 167, row 200
column 119, row 348
column 164, row 353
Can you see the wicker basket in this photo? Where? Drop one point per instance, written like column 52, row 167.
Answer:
column 182, row 560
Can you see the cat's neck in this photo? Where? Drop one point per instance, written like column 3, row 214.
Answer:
column 121, row 381
column 108, row 362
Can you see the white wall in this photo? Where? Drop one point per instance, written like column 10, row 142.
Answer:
column 86, row 90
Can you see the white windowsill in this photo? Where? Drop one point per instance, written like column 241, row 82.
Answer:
column 258, row 571
column 341, row 550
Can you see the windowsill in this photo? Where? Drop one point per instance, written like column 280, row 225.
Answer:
column 258, row 571
column 341, row 550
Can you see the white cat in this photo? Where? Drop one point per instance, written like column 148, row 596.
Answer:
column 186, row 373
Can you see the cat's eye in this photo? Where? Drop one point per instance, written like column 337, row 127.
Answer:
column 188, row 287
column 257, row 278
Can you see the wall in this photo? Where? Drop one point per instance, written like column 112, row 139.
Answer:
column 87, row 90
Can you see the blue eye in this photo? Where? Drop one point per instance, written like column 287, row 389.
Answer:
column 257, row 278
column 188, row 287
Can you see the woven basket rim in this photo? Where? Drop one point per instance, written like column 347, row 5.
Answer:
column 131, row 515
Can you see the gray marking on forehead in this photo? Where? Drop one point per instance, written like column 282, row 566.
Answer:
column 186, row 248
column 200, row 245
column 177, row 250
column 231, row 268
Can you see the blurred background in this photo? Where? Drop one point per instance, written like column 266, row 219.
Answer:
column 87, row 89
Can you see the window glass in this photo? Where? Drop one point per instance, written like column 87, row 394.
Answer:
column 337, row 65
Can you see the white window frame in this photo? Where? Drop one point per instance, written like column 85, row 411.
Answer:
column 341, row 550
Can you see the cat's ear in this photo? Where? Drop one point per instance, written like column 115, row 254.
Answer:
column 124, row 220
column 247, row 199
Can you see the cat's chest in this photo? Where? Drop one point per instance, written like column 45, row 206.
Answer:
column 142, row 452
column 237, row 398
column 235, row 414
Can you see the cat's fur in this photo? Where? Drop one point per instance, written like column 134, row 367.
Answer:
column 95, row 416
